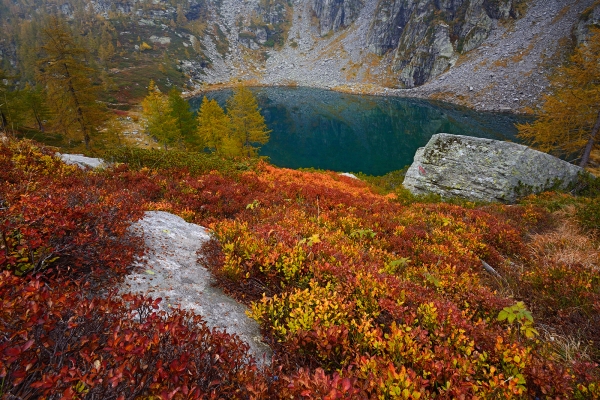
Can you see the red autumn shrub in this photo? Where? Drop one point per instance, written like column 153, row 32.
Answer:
column 59, row 344
column 359, row 295
column 61, row 218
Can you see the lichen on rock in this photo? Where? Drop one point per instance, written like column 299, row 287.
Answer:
column 485, row 169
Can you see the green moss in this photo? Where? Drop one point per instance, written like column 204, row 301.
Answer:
column 196, row 163
column 387, row 183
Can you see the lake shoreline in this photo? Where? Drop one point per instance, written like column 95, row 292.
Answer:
column 349, row 132
column 360, row 90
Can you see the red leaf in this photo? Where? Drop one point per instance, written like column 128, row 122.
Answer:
column 12, row 351
column 27, row 345
column 346, row 384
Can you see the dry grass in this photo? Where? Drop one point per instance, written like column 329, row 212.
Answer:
column 527, row 75
column 465, row 57
column 371, row 64
column 567, row 347
column 482, row 64
column 519, row 56
column 566, row 245
column 335, row 46
column 352, row 70
column 501, row 63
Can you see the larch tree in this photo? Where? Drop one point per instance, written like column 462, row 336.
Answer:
column 67, row 79
column 180, row 19
column 248, row 126
column 11, row 104
column 184, row 117
column 160, row 123
column 214, row 126
column 27, row 38
column 569, row 120
column 4, row 101
column 35, row 103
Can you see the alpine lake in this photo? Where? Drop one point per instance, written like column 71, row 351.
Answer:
column 316, row 128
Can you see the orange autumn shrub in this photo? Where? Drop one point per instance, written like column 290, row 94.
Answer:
column 359, row 295
column 348, row 274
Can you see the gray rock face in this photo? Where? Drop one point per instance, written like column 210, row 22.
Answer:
column 170, row 270
column 81, row 161
column 430, row 59
column 590, row 18
column 428, row 35
column 104, row 6
column 484, row 169
column 336, row 14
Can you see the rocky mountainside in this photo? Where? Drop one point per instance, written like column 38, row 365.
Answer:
column 486, row 54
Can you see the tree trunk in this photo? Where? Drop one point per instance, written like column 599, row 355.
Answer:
column 80, row 118
column 40, row 124
column 590, row 144
column 3, row 121
column 38, row 119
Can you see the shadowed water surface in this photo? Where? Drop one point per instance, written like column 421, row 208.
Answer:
column 356, row 133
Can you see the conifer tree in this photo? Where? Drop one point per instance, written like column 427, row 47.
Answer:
column 34, row 103
column 184, row 117
column 11, row 104
column 248, row 126
column 4, row 101
column 181, row 19
column 106, row 52
column 66, row 77
column 213, row 125
column 112, row 134
column 569, row 120
column 159, row 121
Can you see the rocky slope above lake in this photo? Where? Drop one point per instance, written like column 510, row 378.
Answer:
column 491, row 55
column 486, row 54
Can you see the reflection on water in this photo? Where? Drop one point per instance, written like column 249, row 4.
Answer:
column 353, row 133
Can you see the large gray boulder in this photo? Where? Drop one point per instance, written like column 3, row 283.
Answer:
column 170, row 270
column 485, row 169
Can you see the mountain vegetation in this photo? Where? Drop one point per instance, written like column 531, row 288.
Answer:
column 361, row 289
column 213, row 125
column 360, row 294
column 569, row 120
column 248, row 126
column 239, row 132
column 71, row 94
column 158, row 114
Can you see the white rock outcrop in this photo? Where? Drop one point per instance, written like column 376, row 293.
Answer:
column 82, row 161
column 485, row 169
column 170, row 270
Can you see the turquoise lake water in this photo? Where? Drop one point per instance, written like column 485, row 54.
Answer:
column 356, row 133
